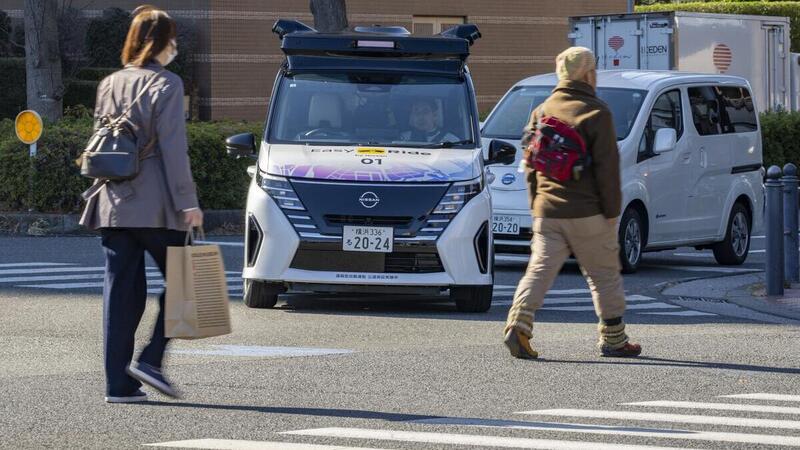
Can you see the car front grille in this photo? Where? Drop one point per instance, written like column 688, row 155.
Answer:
column 324, row 258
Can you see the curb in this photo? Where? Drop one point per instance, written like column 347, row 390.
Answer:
column 224, row 222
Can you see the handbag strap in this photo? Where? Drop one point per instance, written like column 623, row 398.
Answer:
column 136, row 99
column 191, row 236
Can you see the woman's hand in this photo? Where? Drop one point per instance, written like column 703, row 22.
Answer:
column 193, row 217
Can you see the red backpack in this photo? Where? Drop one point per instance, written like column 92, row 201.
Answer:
column 557, row 150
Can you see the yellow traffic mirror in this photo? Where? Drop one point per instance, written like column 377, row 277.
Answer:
column 29, row 127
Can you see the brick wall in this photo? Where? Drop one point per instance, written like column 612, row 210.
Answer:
column 238, row 55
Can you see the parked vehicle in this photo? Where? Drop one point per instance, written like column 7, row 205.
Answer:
column 370, row 175
column 753, row 47
column 690, row 148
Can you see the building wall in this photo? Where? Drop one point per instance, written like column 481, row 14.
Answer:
column 238, row 56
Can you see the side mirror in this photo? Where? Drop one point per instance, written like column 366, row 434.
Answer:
column 665, row 140
column 501, row 152
column 241, row 145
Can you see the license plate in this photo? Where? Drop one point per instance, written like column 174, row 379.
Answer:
column 368, row 239
column 505, row 224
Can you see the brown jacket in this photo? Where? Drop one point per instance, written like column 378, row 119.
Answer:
column 164, row 186
column 598, row 189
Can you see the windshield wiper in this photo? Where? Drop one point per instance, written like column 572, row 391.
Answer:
column 448, row 144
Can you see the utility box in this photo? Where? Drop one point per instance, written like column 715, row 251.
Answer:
column 753, row 47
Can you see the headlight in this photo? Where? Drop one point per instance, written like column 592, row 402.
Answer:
column 458, row 195
column 280, row 190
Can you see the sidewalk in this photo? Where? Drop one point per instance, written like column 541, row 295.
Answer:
column 746, row 291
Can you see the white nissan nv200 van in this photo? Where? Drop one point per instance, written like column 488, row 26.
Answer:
column 690, row 150
column 370, row 174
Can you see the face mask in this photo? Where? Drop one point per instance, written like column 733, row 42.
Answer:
column 173, row 53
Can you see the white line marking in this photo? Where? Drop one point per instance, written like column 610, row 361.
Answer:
column 51, row 270
column 35, row 264
column 232, row 444
column 550, row 292
column 704, row 269
column 150, row 283
column 463, row 439
column 720, row 406
column 223, row 244
column 256, row 351
column 774, row 397
column 672, row 418
column 692, row 435
column 654, row 305
column 688, row 313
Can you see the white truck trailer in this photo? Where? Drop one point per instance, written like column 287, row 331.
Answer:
column 753, row 47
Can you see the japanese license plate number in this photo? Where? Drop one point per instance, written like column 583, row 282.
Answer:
column 502, row 224
column 368, row 239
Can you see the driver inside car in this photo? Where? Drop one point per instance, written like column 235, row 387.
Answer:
column 424, row 124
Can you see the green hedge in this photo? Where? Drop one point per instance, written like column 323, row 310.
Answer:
column 761, row 8
column 222, row 181
column 781, row 138
column 13, row 97
column 80, row 92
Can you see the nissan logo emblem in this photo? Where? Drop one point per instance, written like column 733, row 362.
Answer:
column 509, row 178
column 369, row 200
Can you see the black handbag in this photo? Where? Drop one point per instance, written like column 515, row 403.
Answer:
column 112, row 153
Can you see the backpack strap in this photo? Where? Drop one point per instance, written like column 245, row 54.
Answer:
column 121, row 116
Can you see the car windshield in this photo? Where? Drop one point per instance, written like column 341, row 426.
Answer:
column 401, row 110
column 512, row 114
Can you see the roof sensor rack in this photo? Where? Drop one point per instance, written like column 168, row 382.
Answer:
column 466, row 31
column 283, row 27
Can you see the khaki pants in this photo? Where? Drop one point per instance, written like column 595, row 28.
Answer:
column 593, row 241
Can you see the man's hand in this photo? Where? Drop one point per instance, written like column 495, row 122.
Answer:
column 193, row 217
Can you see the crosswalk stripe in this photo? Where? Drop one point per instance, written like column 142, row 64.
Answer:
column 775, row 397
column 508, row 287
column 93, row 276
column 671, row 418
column 687, row 313
column 235, row 444
column 704, row 268
column 50, row 270
column 654, row 305
column 150, row 282
column 34, row 264
column 720, row 406
column 463, row 439
column 692, row 435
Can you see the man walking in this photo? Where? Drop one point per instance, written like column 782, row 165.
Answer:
column 575, row 208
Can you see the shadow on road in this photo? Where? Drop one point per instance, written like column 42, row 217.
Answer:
column 665, row 362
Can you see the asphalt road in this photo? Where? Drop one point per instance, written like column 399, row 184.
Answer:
column 395, row 372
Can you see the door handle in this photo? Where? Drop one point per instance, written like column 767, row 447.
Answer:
column 703, row 157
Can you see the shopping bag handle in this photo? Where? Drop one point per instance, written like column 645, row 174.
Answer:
column 191, row 236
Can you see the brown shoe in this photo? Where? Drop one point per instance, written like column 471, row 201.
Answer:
column 627, row 351
column 519, row 345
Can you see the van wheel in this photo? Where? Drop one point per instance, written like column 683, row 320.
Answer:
column 733, row 250
column 631, row 240
column 473, row 299
column 259, row 294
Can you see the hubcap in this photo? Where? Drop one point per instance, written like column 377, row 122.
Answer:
column 740, row 235
column 633, row 242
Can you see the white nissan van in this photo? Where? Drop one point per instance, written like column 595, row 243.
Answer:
column 370, row 174
column 690, row 148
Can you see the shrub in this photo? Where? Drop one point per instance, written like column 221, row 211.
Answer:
column 780, row 133
column 12, row 87
column 80, row 92
column 57, row 184
column 760, row 8
column 105, row 37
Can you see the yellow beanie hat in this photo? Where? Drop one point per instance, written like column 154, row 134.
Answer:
column 574, row 63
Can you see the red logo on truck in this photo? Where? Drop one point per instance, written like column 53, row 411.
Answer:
column 723, row 57
column 616, row 43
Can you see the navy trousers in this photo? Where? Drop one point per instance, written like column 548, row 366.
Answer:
column 124, row 298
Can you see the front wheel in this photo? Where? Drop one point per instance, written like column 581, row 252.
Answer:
column 732, row 251
column 473, row 299
column 631, row 240
column 260, row 294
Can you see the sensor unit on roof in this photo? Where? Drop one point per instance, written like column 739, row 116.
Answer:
column 375, row 44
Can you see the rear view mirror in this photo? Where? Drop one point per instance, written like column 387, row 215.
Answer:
column 241, row 145
column 501, row 152
column 665, row 140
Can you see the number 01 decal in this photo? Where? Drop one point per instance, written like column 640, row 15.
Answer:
column 375, row 161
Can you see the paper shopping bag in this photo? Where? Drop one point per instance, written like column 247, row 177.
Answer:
column 197, row 293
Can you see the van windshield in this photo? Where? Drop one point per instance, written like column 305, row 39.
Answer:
column 402, row 110
column 511, row 116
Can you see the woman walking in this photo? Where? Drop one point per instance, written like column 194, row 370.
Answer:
column 148, row 213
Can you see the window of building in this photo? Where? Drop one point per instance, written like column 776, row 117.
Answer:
column 430, row 25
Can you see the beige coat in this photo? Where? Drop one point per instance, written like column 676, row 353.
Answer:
column 164, row 186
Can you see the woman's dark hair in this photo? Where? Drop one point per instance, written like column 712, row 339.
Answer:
column 150, row 33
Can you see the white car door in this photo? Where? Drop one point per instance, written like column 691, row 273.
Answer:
column 666, row 174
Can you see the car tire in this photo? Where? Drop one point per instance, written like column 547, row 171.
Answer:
column 733, row 250
column 631, row 240
column 260, row 294
column 472, row 299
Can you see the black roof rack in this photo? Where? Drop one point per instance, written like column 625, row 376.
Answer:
column 376, row 48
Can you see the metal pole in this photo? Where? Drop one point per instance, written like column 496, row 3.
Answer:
column 630, row 5
column 774, row 219
column 791, row 253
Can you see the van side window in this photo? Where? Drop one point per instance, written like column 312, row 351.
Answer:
column 740, row 115
column 706, row 111
column 666, row 113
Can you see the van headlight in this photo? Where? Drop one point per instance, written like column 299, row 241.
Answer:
column 280, row 190
column 458, row 195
